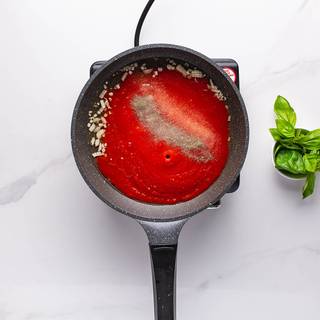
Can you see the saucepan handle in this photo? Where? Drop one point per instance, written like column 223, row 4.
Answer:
column 163, row 242
column 163, row 269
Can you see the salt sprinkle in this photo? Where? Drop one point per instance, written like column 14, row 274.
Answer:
column 124, row 76
column 97, row 154
column 102, row 94
column 147, row 71
column 182, row 70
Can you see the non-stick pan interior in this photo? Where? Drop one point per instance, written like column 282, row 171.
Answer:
column 98, row 183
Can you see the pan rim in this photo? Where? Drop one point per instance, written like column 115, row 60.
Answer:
column 149, row 206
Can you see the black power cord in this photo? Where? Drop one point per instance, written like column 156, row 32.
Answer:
column 140, row 22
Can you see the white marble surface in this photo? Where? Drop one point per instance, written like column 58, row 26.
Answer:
column 64, row 255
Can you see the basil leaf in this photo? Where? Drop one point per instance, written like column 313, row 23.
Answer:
column 300, row 132
column 316, row 154
column 314, row 134
column 310, row 141
column 291, row 161
column 287, row 143
column 284, row 111
column 309, row 185
column 297, row 150
column 285, row 128
column 310, row 162
column 275, row 134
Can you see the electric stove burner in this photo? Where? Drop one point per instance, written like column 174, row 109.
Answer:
column 231, row 68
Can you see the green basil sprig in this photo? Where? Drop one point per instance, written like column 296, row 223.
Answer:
column 297, row 151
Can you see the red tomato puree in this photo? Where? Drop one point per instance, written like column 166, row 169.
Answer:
column 167, row 138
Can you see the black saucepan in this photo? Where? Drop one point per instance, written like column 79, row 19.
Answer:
column 162, row 223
